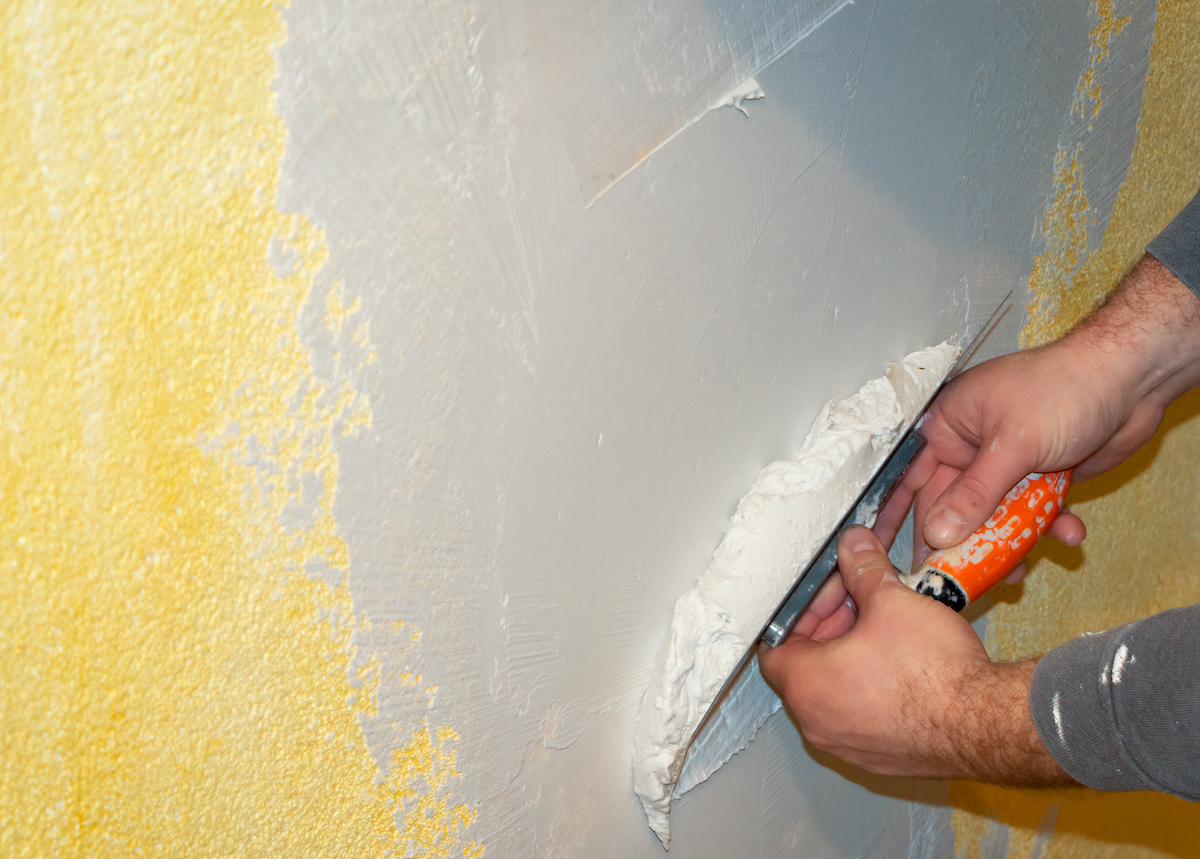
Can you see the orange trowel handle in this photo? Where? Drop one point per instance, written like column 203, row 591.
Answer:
column 963, row 574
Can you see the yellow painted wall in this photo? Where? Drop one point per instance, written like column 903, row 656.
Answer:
column 1142, row 554
column 172, row 681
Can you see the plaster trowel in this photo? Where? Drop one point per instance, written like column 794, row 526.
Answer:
column 955, row 577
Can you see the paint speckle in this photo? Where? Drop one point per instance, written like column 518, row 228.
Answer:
column 1118, row 664
column 1087, row 91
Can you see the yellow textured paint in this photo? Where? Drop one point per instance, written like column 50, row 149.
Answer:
column 1052, row 297
column 172, row 681
column 1058, row 287
column 1108, row 25
column 1143, row 550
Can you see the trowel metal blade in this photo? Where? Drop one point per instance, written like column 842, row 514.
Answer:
column 742, row 710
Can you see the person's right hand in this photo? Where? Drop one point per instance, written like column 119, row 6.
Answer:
column 1085, row 402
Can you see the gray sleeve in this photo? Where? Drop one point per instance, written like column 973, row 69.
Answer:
column 1120, row 710
column 1178, row 246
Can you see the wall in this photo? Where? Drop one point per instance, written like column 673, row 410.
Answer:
column 352, row 462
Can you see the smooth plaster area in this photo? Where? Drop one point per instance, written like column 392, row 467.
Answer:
column 569, row 400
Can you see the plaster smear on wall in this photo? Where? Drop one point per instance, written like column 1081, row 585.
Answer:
column 173, row 680
column 1085, row 182
column 1142, row 550
column 624, row 77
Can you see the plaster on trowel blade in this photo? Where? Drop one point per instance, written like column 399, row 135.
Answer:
column 746, row 701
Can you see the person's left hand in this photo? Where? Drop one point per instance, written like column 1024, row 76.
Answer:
column 904, row 687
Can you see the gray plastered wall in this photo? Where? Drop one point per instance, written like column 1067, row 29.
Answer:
column 569, row 400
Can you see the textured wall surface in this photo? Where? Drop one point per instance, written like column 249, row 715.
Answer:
column 352, row 464
column 1143, row 550
column 177, row 675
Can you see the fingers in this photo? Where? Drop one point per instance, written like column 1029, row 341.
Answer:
column 972, row 497
column 942, row 477
column 891, row 515
column 1068, row 528
column 775, row 662
column 1016, row 575
column 864, row 565
column 838, row 623
column 829, row 599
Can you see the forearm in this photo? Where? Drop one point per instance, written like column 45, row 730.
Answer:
column 990, row 731
column 1148, row 332
column 1146, row 337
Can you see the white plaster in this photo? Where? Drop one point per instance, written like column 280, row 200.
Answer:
column 893, row 175
column 1118, row 664
column 748, row 90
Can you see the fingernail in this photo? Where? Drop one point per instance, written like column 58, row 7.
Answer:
column 858, row 539
column 946, row 528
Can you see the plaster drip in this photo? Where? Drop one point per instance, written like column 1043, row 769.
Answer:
column 747, row 90
column 777, row 529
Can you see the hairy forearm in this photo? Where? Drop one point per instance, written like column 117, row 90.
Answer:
column 990, row 732
column 1146, row 335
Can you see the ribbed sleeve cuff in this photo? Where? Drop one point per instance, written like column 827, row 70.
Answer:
column 1178, row 246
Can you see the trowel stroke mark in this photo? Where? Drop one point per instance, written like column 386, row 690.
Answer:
column 624, row 83
column 174, row 682
column 422, row 137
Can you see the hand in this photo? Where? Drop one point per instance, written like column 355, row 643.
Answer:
column 908, row 688
column 1087, row 401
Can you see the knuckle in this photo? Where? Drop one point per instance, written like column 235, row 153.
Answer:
column 875, row 565
column 973, row 492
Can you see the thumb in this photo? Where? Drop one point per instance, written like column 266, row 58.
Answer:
column 864, row 564
column 973, row 496
column 780, row 665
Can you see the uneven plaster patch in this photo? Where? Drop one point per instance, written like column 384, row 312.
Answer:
column 1142, row 552
column 172, row 681
column 777, row 529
